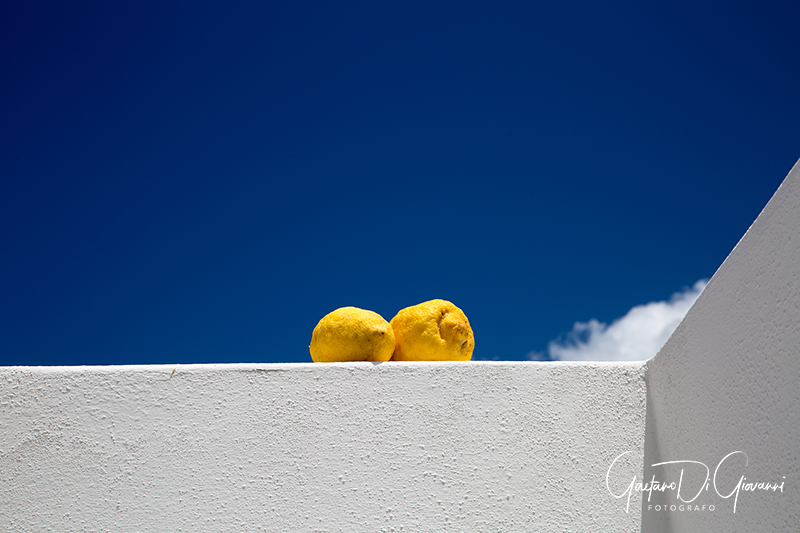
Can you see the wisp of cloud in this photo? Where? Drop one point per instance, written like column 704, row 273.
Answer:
column 637, row 336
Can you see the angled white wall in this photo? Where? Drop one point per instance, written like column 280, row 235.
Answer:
column 728, row 380
column 473, row 446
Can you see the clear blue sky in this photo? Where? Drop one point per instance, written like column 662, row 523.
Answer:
column 203, row 181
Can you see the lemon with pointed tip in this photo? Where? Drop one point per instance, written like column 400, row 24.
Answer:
column 432, row 331
column 352, row 334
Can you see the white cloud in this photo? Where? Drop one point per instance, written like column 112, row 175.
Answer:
column 637, row 336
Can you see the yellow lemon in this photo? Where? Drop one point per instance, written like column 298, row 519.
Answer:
column 352, row 334
column 432, row 331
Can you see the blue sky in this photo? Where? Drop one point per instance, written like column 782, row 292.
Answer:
column 203, row 181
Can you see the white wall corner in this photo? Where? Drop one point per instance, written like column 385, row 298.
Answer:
column 471, row 446
column 726, row 381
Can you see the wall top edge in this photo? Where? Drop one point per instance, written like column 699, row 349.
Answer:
column 320, row 367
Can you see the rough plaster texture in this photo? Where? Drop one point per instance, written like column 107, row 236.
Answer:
column 471, row 446
column 727, row 380
column 475, row 446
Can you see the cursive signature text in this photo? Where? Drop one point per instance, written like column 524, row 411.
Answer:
column 686, row 494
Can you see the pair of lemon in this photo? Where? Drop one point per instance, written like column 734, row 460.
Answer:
column 431, row 331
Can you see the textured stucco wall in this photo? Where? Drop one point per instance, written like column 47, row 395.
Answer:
column 727, row 381
column 474, row 446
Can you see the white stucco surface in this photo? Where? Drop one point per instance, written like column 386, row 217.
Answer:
column 475, row 446
column 472, row 446
column 727, row 381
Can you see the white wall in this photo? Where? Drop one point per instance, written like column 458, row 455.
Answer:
column 729, row 380
column 473, row 446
